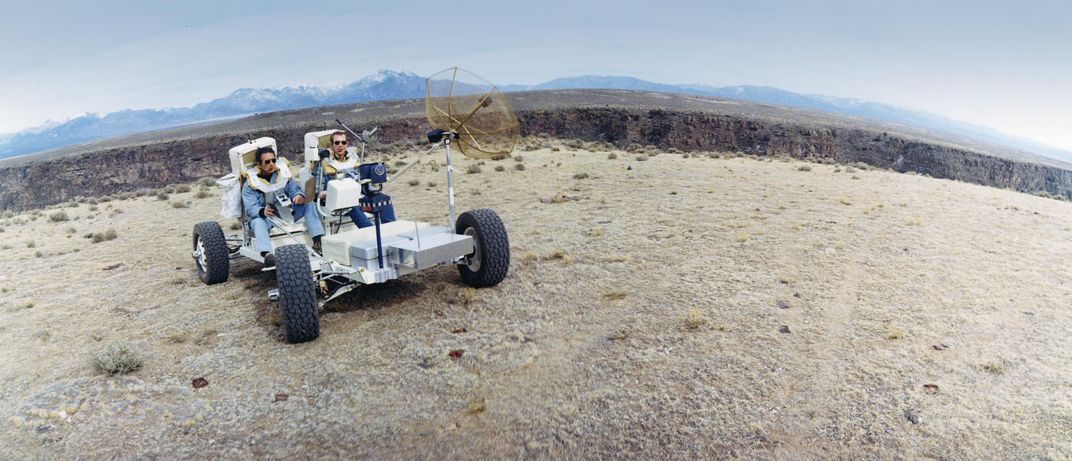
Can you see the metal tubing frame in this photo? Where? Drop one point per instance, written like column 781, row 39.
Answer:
column 450, row 182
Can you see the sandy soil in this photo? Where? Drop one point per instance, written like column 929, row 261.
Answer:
column 672, row 307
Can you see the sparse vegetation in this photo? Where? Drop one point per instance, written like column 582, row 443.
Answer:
column 642, row 158
column 207, row 182
column 580, row 176
column 804, row 168
column 473, row 169
column 118, row 359
column 178, row 337
column 694, row 319
column 178, row 204
column 519, row 166
column 162, row 196
column 612, row 156
column 993, row 367
column 500, row 168
column 558, row 255
column 414, row 182
column 98, row 237
column 202, row 193
column 58, row 216
column 893, row 332
column 31, row 244
column 182, row 188
column 454, row 294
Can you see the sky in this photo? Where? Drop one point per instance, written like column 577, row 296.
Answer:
column 1005, row 65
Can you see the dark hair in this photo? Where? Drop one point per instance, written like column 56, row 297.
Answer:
column 264, row 150
column 337, row 133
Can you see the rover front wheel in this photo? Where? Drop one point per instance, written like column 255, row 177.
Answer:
column 297, row 294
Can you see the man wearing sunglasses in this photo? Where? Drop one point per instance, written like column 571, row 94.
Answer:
column 342, row 160
column 259, row 209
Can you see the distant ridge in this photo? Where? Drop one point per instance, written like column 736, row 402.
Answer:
column 389, row 85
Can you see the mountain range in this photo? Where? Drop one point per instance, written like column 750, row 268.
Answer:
column 387, row 85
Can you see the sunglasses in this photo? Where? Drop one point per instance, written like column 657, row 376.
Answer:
column 340, row 143
column 271, row 160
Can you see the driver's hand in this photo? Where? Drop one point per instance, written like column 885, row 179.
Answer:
column 323, row 196
column 366, row 208
column 269, row 211
column 299, row 200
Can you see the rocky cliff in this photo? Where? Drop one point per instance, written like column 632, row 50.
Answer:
column 687, row 123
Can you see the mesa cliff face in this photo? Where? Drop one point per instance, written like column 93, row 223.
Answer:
column 668, row 121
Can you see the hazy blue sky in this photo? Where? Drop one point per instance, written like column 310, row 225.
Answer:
column 1004, row 65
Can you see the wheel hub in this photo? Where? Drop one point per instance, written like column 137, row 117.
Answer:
column 473, row 260
column 199, row 255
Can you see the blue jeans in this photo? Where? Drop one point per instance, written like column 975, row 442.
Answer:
column 360, row 220
column 261, row 225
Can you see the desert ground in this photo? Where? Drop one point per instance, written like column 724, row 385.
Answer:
column 658, row 306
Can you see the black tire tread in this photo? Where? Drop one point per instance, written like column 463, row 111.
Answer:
column 494, row 248
column 217, row 255
column 297, row 294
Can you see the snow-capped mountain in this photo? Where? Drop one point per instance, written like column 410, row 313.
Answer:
column 379, row 86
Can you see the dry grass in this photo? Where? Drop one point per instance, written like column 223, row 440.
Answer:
column 118, row 359
column 98, row 237
column 558, row 255
column 993, row 367
column 893, row 332
column 694, row 319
